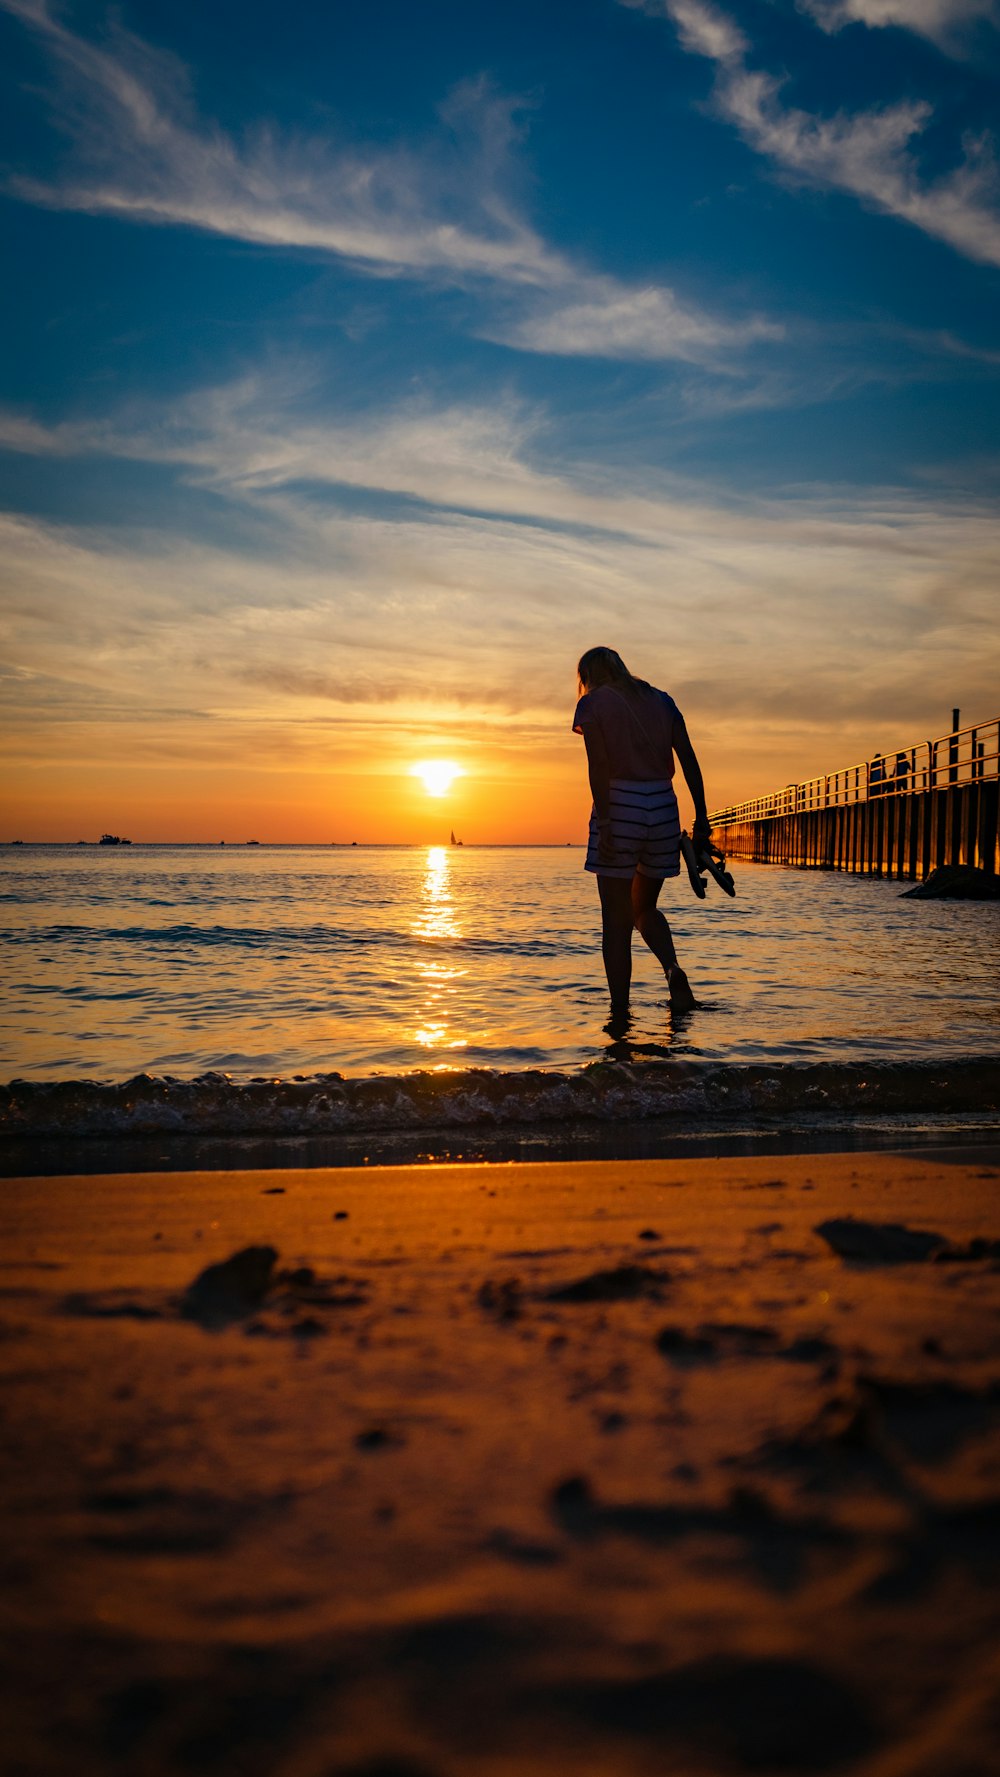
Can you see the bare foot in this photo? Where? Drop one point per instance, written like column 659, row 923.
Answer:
column 681, row 997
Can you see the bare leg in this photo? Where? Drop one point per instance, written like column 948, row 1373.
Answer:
column 617, row 920
column 654, row 931
column 650, row 923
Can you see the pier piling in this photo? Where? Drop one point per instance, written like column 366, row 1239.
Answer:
column 933, row 803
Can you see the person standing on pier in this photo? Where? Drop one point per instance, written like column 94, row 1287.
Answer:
column 632, row 733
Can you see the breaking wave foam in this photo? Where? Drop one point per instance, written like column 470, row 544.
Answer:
column 608, row 1092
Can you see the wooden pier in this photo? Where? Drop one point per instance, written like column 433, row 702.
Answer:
column 900, row 815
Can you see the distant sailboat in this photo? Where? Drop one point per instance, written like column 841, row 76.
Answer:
column 454, row 841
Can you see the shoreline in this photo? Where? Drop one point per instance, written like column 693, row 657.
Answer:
column 613, row 1108
column 586, row 1466
column 38, row 1156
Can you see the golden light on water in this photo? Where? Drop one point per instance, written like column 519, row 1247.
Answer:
column 436, row 918
column 436, row 909
column 437, row 775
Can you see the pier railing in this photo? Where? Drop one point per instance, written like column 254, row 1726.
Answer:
column 964, row 756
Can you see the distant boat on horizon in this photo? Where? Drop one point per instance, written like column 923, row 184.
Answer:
column 454, row 841
column 113, row 839
column 253, row 841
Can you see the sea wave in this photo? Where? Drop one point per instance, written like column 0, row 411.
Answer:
column 609, row 1092
column 326, row 939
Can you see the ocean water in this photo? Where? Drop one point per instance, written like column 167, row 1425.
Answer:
column 233, row 982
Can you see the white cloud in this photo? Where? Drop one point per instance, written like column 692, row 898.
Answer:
column 444, row 215
column 704, row 31
column 142, row 153
column 602, row 318
column 247, row 439
column 941, row 20
column 868, row 153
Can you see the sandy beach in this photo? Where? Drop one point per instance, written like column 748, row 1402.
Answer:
column 662, row 1466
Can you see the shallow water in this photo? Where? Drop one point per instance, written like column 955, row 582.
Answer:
column 269, row 961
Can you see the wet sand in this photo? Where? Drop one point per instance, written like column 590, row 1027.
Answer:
column 583, row 1467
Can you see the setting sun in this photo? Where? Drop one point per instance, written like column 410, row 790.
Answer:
column 437, row 775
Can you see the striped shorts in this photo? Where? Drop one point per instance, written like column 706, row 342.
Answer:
column 646, row 828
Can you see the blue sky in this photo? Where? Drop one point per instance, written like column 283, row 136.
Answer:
column 362, row 365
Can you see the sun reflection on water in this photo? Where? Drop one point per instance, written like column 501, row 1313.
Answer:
column 437, row 919
column 436, row 911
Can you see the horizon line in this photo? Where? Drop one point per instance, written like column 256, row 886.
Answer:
column 313, row 844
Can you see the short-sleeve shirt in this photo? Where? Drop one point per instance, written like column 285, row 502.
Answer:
column 639, row 739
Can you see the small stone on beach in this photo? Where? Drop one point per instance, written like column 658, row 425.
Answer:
column 626, row 1283
column 376, row 1437
column 879, row 1243
column 232, row 1289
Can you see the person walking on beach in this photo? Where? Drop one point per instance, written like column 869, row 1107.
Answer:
column 632, row 733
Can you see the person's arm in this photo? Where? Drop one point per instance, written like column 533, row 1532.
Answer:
column 599, row 771
column 688, row 761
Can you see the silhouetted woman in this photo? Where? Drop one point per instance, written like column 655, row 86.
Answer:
column 632, row 732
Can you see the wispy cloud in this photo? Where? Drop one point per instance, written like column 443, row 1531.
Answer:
column 445, row 214
column 702, row 30
column 403, row 618
column 869, row 153
column 602, row 318
column 944, row 21
column 141, row 152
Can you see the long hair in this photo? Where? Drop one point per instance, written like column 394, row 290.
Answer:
column 603, row 666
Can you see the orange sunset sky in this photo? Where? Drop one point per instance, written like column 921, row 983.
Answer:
column 359, row 372
column 290, row 721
